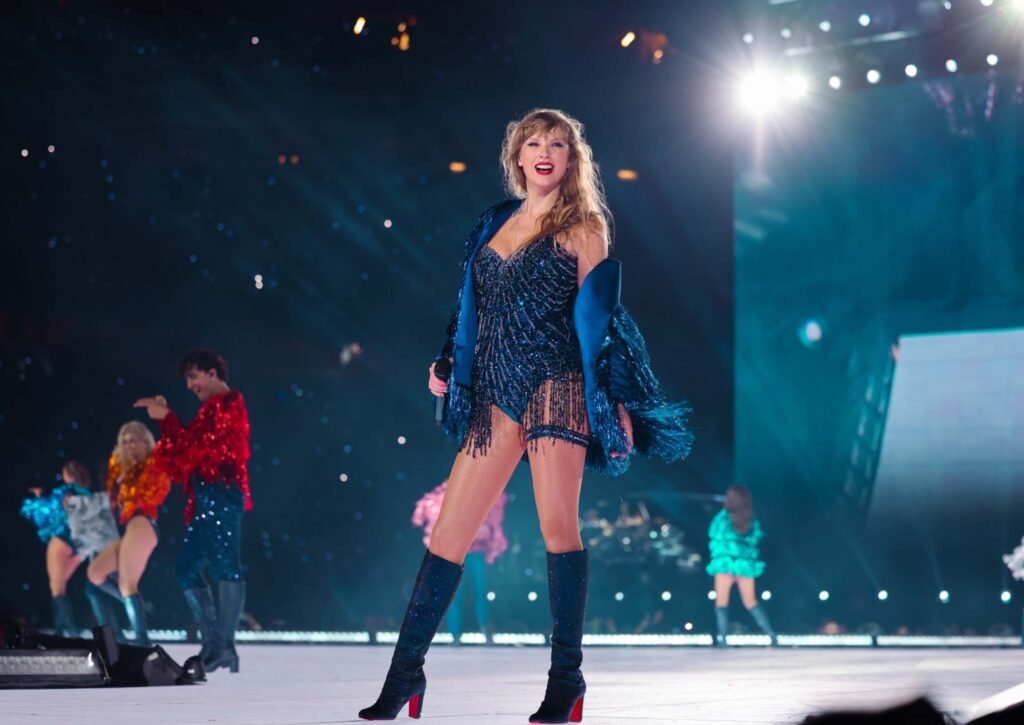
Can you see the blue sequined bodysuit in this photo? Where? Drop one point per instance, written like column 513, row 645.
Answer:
column 527, row 360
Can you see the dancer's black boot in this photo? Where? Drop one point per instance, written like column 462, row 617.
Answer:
column 222, row 652
column 405, row 683
column 136, row 610
column 567, row 589
column 722, row 625
column 761, row 617
column 204, row 612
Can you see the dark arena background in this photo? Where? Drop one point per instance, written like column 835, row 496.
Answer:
column 819, row 206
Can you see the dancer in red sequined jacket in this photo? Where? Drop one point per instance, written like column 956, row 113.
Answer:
column 208, row 457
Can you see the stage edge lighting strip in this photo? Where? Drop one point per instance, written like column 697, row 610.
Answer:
column 903, row 641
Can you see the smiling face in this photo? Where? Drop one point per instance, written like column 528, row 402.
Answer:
column 544, row 158
column 204, row 383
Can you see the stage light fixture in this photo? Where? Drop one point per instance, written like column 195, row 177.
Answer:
column 491, row 596
column 401, row 440
column 748, row 38
column 911, row 71
column 786, row 33
column 402, row 27
column 883, row 595
column 387, row 224
column 766, row 595
column 992, row 59
column 24, row 153
column 258, row 280
column 666, row 596
column 359, row 26
column 811, row 333
column 759, row 93
column 532, row 596
column 944, row 596
column 1005, row 597
column 864, row 20
column 951, row 65
column 823, row 595
column 627, row 39
column 619, row 596
column 255, row 40
column 873, row 76
column 835, row 82
column 688, row 626
column 51, row 148
column 986, row 3
column 825, row 26
column 457, row 167
column 626, row 175
column 712, row 595
column 403, row 42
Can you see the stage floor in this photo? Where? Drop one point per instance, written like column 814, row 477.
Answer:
column 315, row 685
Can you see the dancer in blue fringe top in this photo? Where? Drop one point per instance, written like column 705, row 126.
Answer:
column 734, row 536
column 547, row 365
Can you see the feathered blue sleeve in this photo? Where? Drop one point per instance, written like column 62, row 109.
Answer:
column 47, row 514
column 448, row 347
column 625, row 374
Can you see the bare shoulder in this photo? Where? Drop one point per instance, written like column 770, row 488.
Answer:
column 588, row 242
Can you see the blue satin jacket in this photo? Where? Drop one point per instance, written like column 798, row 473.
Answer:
column 616, row 366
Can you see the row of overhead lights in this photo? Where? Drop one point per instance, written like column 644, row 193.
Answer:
column 761, row 91
column 864, row 20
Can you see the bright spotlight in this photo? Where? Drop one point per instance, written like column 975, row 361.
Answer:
column 883, row 595
column 627, row 39
column 911, row 71
column 666, row 596
column 748, row 38
column 992, row 58
column 766, row 595
column 1005, row 597
column 864, row 20
column 874, row 76
column 951, row 65
column 359, row 26
column 619, row 596
column 532, row 596
column 712, row 596
column 786, row 33
column 491, row 596
column 823, row 595
column 759, row 94
column 944, row 596
column 811, row 332
column 825, row 26
column 796, row 86
column 986, row 3
column 835, row 82
column 688, row 626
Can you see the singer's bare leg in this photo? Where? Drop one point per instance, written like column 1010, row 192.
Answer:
column 557, row 469
column 474, row 485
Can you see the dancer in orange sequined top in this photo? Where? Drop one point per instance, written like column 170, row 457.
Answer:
column 137, row 488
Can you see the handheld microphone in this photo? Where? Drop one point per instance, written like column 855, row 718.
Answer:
column 442, row 371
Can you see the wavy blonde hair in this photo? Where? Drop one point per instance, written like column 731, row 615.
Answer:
column 139, row 429
column 581, row 200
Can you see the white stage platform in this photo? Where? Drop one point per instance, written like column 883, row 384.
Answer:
column 320, row 684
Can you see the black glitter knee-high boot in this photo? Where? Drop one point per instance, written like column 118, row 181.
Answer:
column 567, row 589
column 405, row 683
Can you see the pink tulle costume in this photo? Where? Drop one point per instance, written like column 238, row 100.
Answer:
column 490, row 540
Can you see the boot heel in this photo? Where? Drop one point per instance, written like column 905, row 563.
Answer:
column 416, row 706
column 577, row 711
column 233, row 665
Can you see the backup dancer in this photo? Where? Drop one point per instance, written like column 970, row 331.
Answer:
column 137, row 488
column 208, row 458
column 546, row 363
column 734, row 536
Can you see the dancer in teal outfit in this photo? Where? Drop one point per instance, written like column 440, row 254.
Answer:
column 734, row 536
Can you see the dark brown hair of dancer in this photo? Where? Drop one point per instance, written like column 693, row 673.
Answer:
column 740, row 505
column 204, row 361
